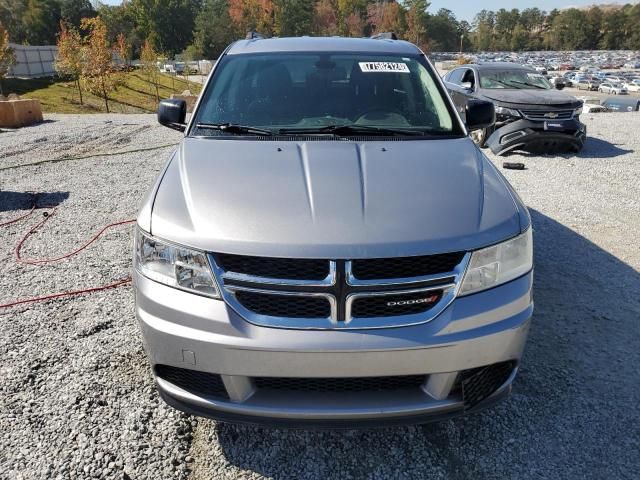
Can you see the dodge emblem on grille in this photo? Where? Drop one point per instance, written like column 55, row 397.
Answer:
column 399, row 303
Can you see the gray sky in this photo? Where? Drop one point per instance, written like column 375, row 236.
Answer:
column 466, row 9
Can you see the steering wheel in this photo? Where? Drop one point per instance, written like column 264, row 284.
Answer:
column 385, row 112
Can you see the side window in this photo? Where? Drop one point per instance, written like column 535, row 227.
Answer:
column 455, row 77
column 469, row 77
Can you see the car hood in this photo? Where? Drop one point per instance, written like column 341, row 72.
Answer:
column 530, row 98
column 333, row 199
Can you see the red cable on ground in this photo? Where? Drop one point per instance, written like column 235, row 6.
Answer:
column 30, row 212
column 31, row 261
column 70, row 293
column 67, row 294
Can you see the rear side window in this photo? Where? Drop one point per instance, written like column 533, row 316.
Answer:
column 309, row 90
column 455, row 77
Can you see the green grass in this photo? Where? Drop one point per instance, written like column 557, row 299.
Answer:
column 135, row 94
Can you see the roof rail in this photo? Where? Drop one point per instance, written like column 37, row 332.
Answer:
column 254, row 36
column 385, row 36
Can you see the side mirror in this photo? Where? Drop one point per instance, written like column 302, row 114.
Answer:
column 467, row 85
column 480, row 114
column 172, row 113
column 560, row 86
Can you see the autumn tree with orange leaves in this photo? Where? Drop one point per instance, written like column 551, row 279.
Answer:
column 123, row 49
column 385, row 17
column 97, row 60
column 69, row 59
column 325, row 20
column 7, row 57
column 252, row 15
column 149, row 58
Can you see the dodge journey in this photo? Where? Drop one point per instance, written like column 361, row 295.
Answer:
column 327, row 247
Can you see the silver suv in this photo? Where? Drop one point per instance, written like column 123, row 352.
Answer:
column 328, row 247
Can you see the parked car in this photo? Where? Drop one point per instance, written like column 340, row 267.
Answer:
column 559, row 82
column 592, row 105
column 613, row 79
column 622, row 104
column 590, row 84
column 633, row 85
column 531, row 114
column 613, row 88
column 327, row 246
column 569, row 77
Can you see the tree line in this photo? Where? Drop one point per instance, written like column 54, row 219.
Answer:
column 203, row 28
column 570, row 29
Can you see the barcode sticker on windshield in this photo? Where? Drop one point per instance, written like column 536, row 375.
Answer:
column 394, row 67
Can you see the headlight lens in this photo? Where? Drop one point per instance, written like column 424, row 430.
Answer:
column 175, row 266
column 509, row 112
column 578, row 111
column 498, row 264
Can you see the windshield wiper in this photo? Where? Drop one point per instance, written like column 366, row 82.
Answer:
column 529, row 84
column 234, row 128
column 503, row 83
column 342, row 130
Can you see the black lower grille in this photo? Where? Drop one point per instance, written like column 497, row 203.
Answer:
column 283, row 268
column 404, row 267
column 288, row 306
column 392, row 305
column 478, row 384
column 203, row 383
column 353, row 384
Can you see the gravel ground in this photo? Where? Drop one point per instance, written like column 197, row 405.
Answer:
column 76, row 394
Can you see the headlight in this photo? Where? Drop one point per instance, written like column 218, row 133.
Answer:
column 577, row 111
column 175, row 266
column 498, row 264
column 509, row 112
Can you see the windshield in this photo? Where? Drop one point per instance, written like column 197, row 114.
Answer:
column 516, row 78
column 309, row 91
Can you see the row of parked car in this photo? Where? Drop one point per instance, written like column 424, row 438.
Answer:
column 562, row 61
column 605, row 82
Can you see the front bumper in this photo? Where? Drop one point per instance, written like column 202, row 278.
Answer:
column 540, row 137
column 205, row 335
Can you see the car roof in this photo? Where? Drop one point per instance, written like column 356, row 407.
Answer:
column 322, row 44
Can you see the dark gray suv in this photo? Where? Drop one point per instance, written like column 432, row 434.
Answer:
column 531, row 113
column 328, row 247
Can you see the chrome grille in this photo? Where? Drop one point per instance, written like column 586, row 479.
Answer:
column 548, row 114
column 339, row 294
